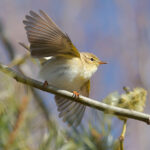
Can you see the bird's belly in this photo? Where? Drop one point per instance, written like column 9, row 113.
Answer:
column 63, row 76
column 65, row 81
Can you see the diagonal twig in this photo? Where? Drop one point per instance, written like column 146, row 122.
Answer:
column 83, row 100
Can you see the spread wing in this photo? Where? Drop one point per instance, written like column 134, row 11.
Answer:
column 70, row 111
column 45, row 37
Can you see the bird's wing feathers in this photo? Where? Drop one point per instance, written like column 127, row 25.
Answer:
column 46, row 38
column 70, row 111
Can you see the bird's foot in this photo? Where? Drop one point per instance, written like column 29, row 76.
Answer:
column 45, row 84
column 75, row 94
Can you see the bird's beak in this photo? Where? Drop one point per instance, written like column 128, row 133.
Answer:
column 101, row 62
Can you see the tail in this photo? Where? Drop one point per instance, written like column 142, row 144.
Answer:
column 25, row 46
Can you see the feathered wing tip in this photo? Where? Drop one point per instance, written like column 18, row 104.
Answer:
column 72, row 112
column 46, row 38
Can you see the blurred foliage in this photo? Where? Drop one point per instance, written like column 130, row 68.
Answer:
column 22, row 125
column 133, row 100
column 9, row 112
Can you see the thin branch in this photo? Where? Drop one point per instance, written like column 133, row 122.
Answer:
column 18, row 122
column 83, row 100
column 122, row 136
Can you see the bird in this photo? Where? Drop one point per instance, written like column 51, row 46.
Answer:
column 63, row 66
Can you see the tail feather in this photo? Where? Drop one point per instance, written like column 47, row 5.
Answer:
column 64, row 106
column 70, row 111
column 71, row 117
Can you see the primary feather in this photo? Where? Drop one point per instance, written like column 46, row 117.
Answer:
column 45, row 37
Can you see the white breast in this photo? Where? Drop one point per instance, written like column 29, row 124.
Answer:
column 62, row 74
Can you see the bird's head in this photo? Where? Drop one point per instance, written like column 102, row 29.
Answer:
column 91, row 62
column 91, row 59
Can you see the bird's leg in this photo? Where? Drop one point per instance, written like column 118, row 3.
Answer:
column 45, row 84
column 75, row 94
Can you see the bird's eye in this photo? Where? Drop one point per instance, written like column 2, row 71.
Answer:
column 92, row 59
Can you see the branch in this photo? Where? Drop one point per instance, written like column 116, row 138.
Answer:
column 83, row 100
column 19, row 120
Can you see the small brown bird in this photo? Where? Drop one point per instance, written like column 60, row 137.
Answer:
column 66, row 68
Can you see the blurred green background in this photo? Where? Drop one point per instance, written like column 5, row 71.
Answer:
column 118, row 32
